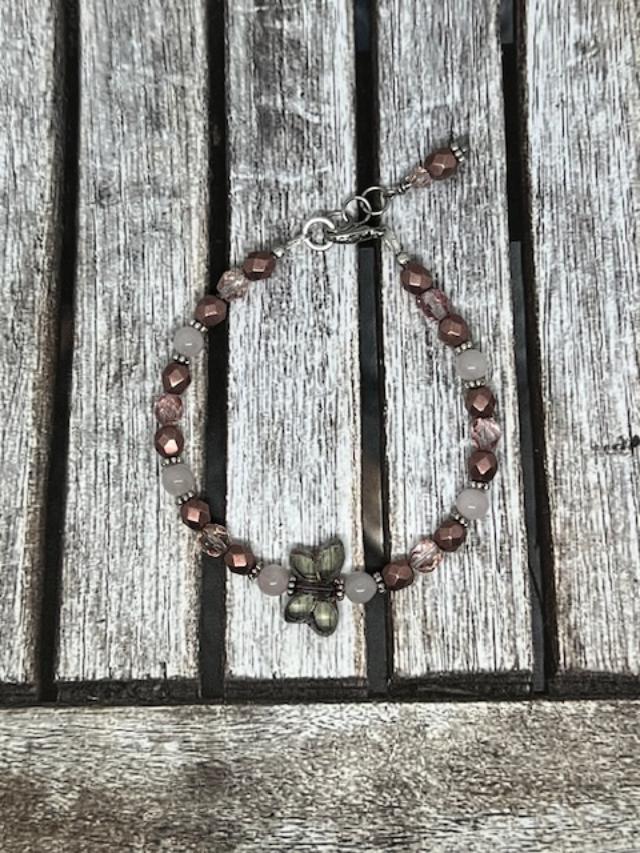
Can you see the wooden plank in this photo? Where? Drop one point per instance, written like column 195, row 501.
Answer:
column 293, row 411
column 476, row 777
column 583, row 118
column 30, row 177
column 468, row 622
column 130, row 574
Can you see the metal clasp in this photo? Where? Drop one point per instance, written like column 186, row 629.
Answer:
column 356, row 233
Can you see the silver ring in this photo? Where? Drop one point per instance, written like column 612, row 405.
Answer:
column 362, row 203
column 384, row 196
column 328, row 225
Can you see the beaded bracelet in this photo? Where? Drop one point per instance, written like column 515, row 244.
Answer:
column 315, row 583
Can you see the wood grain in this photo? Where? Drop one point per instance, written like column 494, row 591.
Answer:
column 394, row 777
column 293, row 409
column 469, row 622
column 130, row 576
column 583, row 117
column 30, row 177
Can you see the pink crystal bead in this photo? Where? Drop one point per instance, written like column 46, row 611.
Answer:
column 233, row 284
column 435, row 304
column 485, row 433
column 168, row 409
column 426, row 556
column 419, row 176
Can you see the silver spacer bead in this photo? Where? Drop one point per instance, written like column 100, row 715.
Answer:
column 465, row 346
column 182, row 499
column 459, row 518
column 172, row 460
column 377, row 576
column 279, row 251
column 181, row 359
column 475, row 383
column 255, row 571
column 291, row 586
column 338, row 585
column 403, row 258
column 459, row 148
column 196, row 324
column 476, row 484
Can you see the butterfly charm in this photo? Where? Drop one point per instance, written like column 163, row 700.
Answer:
column 314, row 601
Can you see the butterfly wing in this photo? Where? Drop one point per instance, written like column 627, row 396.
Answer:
column 299, row 607
column 324, row 619
column 303, row 564
column 329, row 560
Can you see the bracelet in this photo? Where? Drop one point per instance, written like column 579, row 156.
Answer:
column 314, row 584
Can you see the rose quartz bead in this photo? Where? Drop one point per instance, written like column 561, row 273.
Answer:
column 485, row 433
column 480, row 402
column 450, row 535
column 169, row 441
column 435, row 304
column 273, row 580
column 239, row 559
column 472, row 503
column 426, row 556
column 397, row 575
column 188, row 341
column 176, row 377
column 178, row 479
column 233, row 284
column 195, row 513
column 214, row 540
column 441, row 164
column 259, row 265
column 482, row 466
column 360, row 587
column 168, row 409
column 472, row 364
column 453, row 330
column 415, row 278
column 210, row 310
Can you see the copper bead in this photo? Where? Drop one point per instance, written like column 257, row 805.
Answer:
column 441, row 164
column 415, row 278
column 450, row 535
column 169, row 441
column 240, row 559
column 397, row 575
column 483, row 466
column 259, row 265
column 195, row 513
column 210, row 311
column 176, row 377
column 453, row 330
column 480, row 402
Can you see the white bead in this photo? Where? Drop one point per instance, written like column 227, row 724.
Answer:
column 178, row 479
column 273, row 579
column 359, row 587
column 472, row 503
column 188, row 341
column 472, row 364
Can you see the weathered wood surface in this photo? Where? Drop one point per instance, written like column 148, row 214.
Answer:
column 436, row 777
column 471, row 618
column 293, row 407
column 582, row 126
column 130, row 575
column 30, row 176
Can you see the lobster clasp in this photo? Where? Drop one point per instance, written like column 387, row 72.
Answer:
column 356, row 233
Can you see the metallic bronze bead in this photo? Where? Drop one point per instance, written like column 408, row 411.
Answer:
column 450, row 535
column 480, row 402
column 169, row 441
column 441, row 164
column 415, row 278
column 453, row 330
column 176, row 377
column 259, row 265
column 210, row 311
column 483, row 466
column 214, row 540
column 239, row 559
column 397, row 575
column 195, row 513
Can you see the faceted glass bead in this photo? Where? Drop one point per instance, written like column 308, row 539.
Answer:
column 485, row 433
column 472, row 364
column 188, row 341
column 239, row 559
column 472, row 503
column 441, row 164
column 415, row 278
column 168, row 409
column 259, row 265
column 178, row 479
column 214, row 540
column 359, row 587
column 210, row 310
column 233, row 284
column 450, row 535
column 480, row 402
column 453, row 330
column 435, row 304
column 426, row 556
column 169, row 441
column 419, row 176
column 195, row 513
column 176, row 377
column 397, row 575
column 482, row 466
column 273, row 580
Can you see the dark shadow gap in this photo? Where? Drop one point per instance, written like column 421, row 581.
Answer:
column 55, row 502
column 374, row 480
column 212, row 596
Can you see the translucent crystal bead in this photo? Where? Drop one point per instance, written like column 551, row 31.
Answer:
column 426, row 556
column 233, row 284
column 485, row 433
